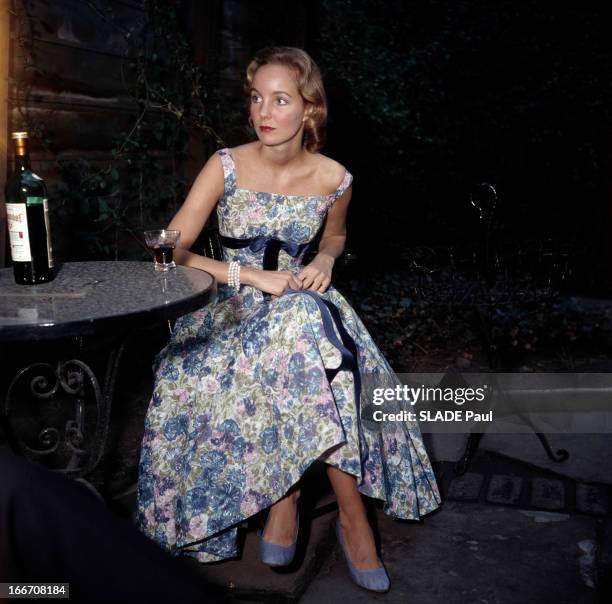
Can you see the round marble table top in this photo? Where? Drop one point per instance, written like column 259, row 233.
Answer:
column 93, row 297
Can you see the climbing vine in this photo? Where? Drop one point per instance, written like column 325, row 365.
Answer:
column 100, row 208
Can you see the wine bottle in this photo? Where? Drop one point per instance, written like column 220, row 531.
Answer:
column 28, row 219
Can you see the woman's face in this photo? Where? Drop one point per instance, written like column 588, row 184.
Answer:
column 277, row 107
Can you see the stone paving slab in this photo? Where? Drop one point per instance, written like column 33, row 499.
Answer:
column 547, row 493
column 250, row 579
column 474, row 553
column 590, row 455
column 504, row 489
column 466, row 487
column 592, row 499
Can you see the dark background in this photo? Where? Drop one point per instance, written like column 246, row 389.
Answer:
column 431, row 104
column 427, row 100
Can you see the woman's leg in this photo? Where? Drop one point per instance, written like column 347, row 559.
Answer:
column 357, row 531
column 281, row 523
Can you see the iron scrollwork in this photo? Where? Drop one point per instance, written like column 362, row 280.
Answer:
column 59, row 412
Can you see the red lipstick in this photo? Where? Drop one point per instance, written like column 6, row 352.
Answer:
column 266, row 128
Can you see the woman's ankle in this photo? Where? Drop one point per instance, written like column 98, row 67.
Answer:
column 353, row 517
column 289, row 499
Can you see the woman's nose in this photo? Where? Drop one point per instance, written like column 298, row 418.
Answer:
column 264, row 110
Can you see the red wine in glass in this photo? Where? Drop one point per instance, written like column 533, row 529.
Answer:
column 162, row 243
column 163, row 254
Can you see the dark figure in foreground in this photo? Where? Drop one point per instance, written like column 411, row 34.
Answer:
column 54, row 529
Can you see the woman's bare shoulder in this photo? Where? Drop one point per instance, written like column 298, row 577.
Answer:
column 331, row 172
column 243, row 151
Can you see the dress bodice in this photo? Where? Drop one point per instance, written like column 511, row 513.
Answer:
column 292, row 220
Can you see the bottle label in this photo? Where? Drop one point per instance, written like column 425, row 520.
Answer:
column 35, row 201
column 18, row 232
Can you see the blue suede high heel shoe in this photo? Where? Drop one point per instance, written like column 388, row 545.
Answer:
column 274, row 554
column 374, row 579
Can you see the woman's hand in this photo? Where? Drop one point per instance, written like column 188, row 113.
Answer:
column 271, row 282
column 316, row 276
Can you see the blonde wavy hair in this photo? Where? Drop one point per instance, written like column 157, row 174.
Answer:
column 309, row 83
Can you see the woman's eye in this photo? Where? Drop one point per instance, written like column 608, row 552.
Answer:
column 254, row 98
column 281, row 101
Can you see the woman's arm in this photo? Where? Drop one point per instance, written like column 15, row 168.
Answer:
column 207, row 189
column 317, row 274
column 192, row 216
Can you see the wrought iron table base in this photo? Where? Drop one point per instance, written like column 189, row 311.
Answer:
column 63, row 386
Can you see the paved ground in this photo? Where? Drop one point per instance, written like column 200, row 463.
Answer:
column 471, row 552
column 509, row 531
column 516, row 528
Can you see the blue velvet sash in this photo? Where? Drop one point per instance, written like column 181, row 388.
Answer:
column 270, row 245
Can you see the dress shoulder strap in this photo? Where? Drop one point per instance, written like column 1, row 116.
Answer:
column 229, row 171
column 344, row 185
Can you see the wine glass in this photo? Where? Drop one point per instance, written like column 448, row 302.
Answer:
column 162, row 243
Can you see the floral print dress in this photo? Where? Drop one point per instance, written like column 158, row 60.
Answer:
column 251, row 390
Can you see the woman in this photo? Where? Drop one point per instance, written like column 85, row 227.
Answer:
column 257, row 385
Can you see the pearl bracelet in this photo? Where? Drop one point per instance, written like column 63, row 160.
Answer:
column 233, row 275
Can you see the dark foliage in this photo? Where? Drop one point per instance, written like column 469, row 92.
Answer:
column 430, row 97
